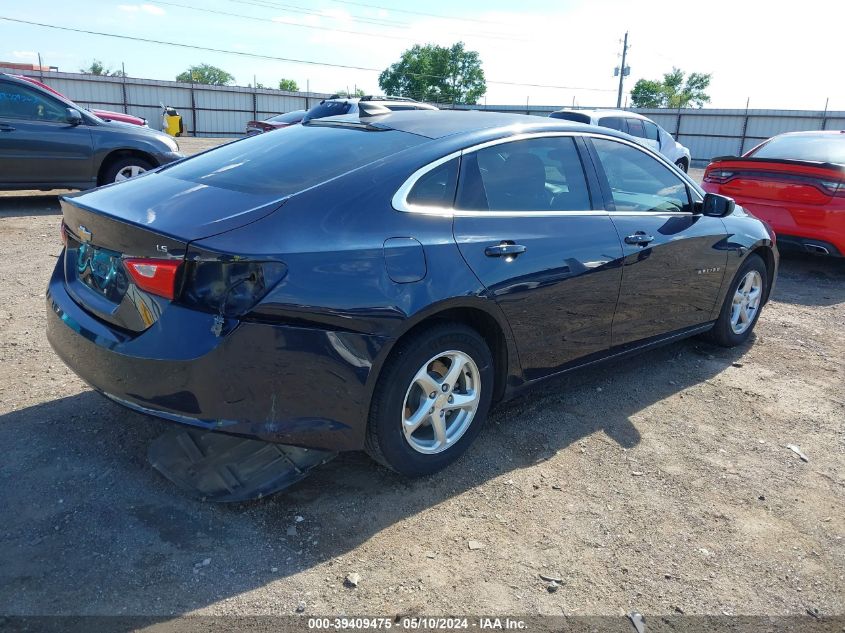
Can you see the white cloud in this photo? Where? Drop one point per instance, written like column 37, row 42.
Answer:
column 150, row 9
column 24, row 54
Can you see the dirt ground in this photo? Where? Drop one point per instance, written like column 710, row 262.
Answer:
column 662, row 484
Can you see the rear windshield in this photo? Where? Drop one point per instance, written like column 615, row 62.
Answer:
column 329, row 108
column 290, row 117
column 571, row 116
column 827, row 148
column 291, row 159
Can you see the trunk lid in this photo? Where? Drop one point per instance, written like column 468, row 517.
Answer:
column 137, row 220
column 794, row 181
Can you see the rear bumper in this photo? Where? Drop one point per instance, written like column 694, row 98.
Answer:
column 798, row 225
column 278, row 383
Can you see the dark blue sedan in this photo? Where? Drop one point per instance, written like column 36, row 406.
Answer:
column 378, row 281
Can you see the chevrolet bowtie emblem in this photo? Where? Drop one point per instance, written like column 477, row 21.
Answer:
column 84, row 234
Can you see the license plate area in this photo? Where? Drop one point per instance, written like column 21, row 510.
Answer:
column 102, row 271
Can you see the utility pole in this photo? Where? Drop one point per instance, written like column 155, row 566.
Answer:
column 624, row 70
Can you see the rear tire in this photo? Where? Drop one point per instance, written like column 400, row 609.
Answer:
column 419, row 422
column 682, row 165
column 125, row 168
column 742, row 305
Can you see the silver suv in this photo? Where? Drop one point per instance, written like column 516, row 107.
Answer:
column 643, row 129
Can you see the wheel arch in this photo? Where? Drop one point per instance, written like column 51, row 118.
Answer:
column 118, row 154
column 480, row 314
column 764, row 251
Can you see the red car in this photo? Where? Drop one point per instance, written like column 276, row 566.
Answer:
column 106, row 115
column 796, row 183
column 274, row 122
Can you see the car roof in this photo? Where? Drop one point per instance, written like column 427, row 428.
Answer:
column 441, row 123
column 810, row 133
column 604, row 113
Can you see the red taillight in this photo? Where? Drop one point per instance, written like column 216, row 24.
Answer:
column 718, row 175
column 157, row 276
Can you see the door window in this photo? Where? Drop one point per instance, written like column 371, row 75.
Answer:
column 635, row 128
column 18, row 102
column 651, row 131
column 542, row 174
column 614, row 123
column 638, row 182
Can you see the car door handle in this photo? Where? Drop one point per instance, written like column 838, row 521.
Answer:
column 639, row 238
column 505, row 249
column 5, row 127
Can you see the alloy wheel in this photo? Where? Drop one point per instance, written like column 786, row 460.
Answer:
column 441, row 402
column 130, row 171
column 746, row 301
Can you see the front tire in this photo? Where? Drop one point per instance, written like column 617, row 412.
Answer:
column 124, row 169
column 742, row 305
column 431, row 400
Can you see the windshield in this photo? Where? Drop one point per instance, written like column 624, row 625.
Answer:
column 329, row 108
column 291, row 159
column 289, row 117
column 822, row 148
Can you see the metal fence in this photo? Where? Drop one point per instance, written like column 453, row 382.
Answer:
column 206, row 110
column 717, row 132
column 224, row 110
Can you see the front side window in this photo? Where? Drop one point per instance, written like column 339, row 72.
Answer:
column 651, row 131
column 639, row 182
column 542, row 174
column 19, row 102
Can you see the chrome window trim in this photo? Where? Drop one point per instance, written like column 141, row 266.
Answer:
column 400, row 198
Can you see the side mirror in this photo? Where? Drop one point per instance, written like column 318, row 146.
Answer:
column 717, row 206
column 74, row 117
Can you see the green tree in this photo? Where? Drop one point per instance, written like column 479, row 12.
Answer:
column 436, row 73
column 356, row 93
column 672, row 91
column 99, row 68
column 288, row 84
column 206, row 74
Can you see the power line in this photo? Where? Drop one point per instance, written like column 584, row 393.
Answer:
column 274, row 57
column 267, row 5
column 409, row 12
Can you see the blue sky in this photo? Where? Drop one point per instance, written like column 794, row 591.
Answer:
column 754, row 50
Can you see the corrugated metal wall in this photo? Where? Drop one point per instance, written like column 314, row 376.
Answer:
column 717, row 132
column 224, row 111
column 205, row 110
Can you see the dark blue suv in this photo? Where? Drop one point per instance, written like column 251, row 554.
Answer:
column 378, row 282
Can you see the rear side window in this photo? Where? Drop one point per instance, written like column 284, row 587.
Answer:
column 651, row 131
column 639, row 182
column 291, row 159
column 578, row 117
column 543, row 174
column 329, row 108
column 19, row 102
column 614, row 123
column 635, row 128
column 437, row 187
column 827, row 148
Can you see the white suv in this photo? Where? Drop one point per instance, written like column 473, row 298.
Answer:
column 643, row 129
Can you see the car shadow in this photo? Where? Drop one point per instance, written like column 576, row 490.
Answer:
column 91, row 528
column 825, row 274
column 27, row 204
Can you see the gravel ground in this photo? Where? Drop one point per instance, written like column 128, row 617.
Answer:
column 661, row 484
